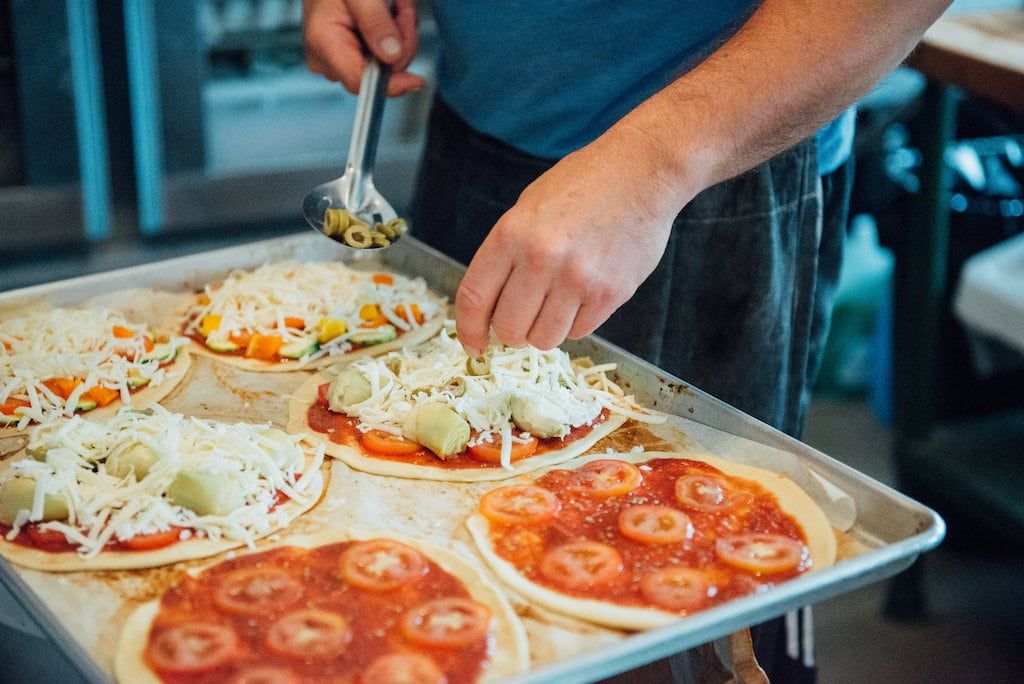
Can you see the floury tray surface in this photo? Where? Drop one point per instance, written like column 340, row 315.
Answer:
column 883, row 532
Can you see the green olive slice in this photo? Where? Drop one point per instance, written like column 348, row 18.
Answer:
column 358, row 237
column 480, row 365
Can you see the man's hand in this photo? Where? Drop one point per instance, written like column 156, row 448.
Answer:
column 577, row 245
column 332, row 29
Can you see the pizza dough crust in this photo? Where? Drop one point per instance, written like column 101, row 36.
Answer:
column 821, row 542
column 408, row 339
column 175, row 372
column 190, row 549
column 298, row 424
column 511, row 654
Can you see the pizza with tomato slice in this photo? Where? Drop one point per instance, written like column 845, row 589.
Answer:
column 635, row 541
column 149, row 488
column 63, row 362
column 430, row 412
column 333, row 607
column 288, row 316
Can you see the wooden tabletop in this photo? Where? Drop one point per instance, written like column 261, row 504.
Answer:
column 981, row 53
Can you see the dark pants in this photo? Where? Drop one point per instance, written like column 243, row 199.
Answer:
column 739, row 305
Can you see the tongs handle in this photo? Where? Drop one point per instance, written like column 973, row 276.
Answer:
column 362, row 148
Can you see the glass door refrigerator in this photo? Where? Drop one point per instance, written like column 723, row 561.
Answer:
column 230, row 130
column 54, row 171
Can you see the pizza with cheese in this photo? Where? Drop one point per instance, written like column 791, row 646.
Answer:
column 362, row 609
column 285, row 316
column 59, row 362
column 637, row 540
column 148, row 488
column 431, row 412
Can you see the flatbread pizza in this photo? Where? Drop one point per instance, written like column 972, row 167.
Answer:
column 149, row 488
column 360, row 608
column 61, row 362
column 430, row 412
column 638, row 540
column 288, row 316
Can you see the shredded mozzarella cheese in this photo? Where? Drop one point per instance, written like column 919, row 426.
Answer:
column 258, row 460
column 436, row 371
column 259, row 301
column 70, row 343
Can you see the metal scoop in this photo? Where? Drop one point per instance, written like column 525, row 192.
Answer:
column 354, row 191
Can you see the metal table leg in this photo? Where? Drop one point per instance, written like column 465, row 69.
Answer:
column 920, row 285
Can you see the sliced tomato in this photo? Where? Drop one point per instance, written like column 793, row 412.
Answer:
column 257, row 591
column 706, row 493
column 582, row 564
column 490, row 452
column 194, row 648
column 761, row 553
column 294, row 322
column 261, row 674
column 606, row 477
column 678, row 589
column 446, row 622
column 381, row 565
column 42, row 537
column 402, row 668
column 153, row 540
column 383, row 279
column 8, row 407
column 321, row 393
column 655, row 524
column 387, row 444
column 519, row 504
column 309, row 634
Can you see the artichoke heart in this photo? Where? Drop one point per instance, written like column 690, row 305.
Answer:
column 18, row 493
column 204, row 493
column 539, row 415
column 437, row 427
column 348, row 388
column 131, row 457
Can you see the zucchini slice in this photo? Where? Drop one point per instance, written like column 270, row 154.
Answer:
column 384, row 333
column 300, row 348
column 222, row 345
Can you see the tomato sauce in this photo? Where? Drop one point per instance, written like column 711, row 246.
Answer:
column 342, row 429
column 582, row 516
column 372, row 616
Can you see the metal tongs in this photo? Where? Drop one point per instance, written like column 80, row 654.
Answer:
column 354, row 191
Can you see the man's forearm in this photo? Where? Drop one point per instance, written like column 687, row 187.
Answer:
column 792, row 68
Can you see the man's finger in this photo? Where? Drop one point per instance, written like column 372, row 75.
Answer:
column 404, row 82
column 589, row 318
column 478, row 294
column 378, row 29
column 555, row 319
column 406, row 19
column 338, row 56
column 518, row 305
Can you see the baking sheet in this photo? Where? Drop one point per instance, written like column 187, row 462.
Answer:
column 888, row 531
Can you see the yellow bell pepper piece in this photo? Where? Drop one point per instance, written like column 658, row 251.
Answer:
column 210, row 323
column 328, row 328
column 369, row 312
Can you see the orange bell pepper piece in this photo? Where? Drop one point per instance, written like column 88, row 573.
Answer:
column 7, row 408
column 402, row 311
column 102, row 396
column 122, row 332
column 383, row 279
column 62, row 387
column 264, row 347
column 294, row 322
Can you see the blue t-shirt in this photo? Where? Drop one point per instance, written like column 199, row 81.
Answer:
column 549, row 76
